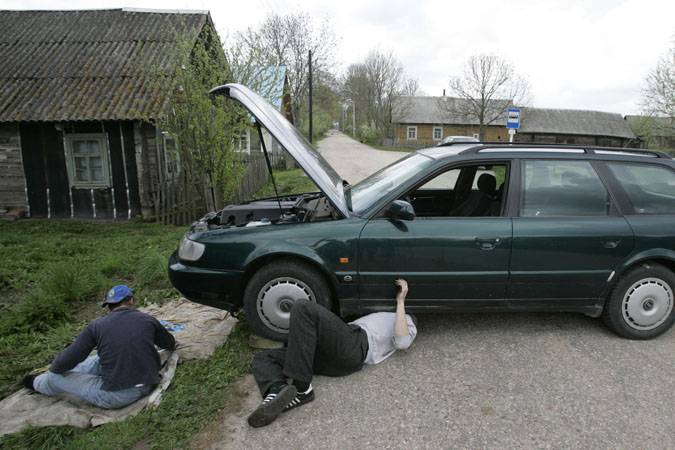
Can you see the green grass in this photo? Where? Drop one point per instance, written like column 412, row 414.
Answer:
column 52, row 279
column 292, row 181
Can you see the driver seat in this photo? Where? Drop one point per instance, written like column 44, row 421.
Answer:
column 478, row 202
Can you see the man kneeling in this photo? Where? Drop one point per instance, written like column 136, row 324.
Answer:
column 321, row 343
column 127, row 365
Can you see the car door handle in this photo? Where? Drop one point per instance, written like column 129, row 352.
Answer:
column 611, row 244
column 488, row 243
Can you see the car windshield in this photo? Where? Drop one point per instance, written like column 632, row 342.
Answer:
column 381, row 183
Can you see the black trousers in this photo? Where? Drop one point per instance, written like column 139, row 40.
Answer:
column 319, row 342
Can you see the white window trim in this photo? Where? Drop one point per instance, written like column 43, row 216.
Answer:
column 169, row 158
column 105, row 160
column 433, row 133
column 407, row 133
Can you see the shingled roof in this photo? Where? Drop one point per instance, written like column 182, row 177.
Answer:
column 574, row 121
column 435, row 110
column 87, row 64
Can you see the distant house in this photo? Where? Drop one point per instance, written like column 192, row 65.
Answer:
column 77, row 106
column 423, row 121
column 653, row 132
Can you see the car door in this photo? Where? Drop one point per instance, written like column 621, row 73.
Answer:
column 568, row 236
column 445, row 259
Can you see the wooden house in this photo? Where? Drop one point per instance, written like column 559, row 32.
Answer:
column 77, row 106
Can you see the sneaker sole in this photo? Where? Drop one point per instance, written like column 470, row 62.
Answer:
column 266, row 414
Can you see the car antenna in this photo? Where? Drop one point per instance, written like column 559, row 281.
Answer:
column 269, row 167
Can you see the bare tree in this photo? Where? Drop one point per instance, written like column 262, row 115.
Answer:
column 659, row 93
column 287, row 40
column 373, row 87
column 411, row 87
column 488, row 86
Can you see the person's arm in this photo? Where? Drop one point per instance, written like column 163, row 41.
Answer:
column 402, row 338
column 163, row 339
column 75, row 353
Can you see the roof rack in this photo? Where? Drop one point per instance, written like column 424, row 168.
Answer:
column 563, row 148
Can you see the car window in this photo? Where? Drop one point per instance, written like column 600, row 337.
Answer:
column 467, row 191
column 650, row 188
column 563, row 188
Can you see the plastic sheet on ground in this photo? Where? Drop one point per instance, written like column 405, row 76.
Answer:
column 199, row 330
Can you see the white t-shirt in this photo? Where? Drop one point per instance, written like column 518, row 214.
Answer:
column 382, row 340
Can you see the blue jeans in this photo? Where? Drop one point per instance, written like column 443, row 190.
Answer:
column 84, row 381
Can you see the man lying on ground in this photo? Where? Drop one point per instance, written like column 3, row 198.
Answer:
column 321, row 343
column 127, row 365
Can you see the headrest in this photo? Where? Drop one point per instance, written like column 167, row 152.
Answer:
column 487, row 183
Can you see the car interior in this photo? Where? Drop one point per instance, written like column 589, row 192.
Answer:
column 469, row 191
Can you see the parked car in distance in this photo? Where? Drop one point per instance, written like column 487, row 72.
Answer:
column 471, row 226
column 449, row 140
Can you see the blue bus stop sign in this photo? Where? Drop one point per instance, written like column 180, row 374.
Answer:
column 513, row 119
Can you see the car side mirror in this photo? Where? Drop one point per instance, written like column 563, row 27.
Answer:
column 400, row 210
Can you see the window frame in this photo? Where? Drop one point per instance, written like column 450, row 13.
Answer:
column 169, row 158
column 623, row 199
column 596, row 166
column 433, row 133
column 476, row 136
column 407, row 132
column 104, row 153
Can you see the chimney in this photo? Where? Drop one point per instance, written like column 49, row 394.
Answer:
column 443, row 92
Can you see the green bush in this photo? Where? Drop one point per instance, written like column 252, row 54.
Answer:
column 38, row 311
column 151, row 271
column 368, row 135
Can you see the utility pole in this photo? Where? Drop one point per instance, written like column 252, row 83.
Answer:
column 310, row 97
column 353, row 117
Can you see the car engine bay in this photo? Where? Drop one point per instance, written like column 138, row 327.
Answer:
column 295, row 209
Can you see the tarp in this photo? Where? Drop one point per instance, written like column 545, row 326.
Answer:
column 199, row 330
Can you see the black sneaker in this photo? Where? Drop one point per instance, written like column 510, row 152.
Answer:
column 272, row 406
column 300, row 399
column 28, row 381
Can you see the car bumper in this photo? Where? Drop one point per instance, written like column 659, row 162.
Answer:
column 218, row 288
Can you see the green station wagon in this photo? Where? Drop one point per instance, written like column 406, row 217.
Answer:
column 471, row 226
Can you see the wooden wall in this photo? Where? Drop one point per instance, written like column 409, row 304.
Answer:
column 12, row 179
column 425, row 134
column 49, row 191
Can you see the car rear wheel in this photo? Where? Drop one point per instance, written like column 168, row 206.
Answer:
column 642, row 304
column 274, row 288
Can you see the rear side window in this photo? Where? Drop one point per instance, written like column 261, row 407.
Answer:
column 650, row 188
column 563, row 188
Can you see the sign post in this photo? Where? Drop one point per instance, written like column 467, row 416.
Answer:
column 512, row 122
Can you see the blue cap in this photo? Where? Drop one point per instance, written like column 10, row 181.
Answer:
column 118, row 294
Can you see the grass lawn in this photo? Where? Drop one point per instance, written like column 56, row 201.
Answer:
column 292, row 181
column 53, row 276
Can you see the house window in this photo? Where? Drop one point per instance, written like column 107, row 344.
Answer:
column 476, row 136
column 412, row 133
column 438, row 133
column 87, row 160
column 243, row 144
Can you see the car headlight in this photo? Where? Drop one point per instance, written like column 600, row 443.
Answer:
column 190, row 250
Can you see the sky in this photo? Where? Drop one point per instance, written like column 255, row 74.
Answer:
column 577, row 54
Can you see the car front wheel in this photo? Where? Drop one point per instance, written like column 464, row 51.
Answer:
column 274, row 288
column 641, row 305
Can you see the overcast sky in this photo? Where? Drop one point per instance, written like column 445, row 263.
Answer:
column 583, row 54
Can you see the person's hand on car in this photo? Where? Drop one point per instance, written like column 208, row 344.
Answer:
column 401, row 289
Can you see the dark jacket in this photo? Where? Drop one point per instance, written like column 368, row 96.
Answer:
column 125, row 340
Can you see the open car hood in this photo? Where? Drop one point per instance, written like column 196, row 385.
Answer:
column 316, row 167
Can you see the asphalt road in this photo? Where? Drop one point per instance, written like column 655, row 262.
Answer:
column 479, row 381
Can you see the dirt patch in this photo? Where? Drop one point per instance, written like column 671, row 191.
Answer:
column 225, row 430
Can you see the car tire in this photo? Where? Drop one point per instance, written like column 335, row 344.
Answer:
column 271, row 291
column 641, row 305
